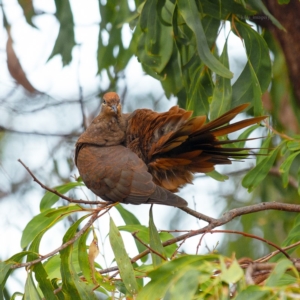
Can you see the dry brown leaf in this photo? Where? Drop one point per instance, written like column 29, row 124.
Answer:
column 15, row 68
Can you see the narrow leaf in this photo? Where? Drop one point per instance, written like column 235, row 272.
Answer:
column 278, row 272
column 260, row 171
column 31, row 292
column 49, row 198
column 45, row 220
column 66, row 39
column 222, row 94
column 71, row 284
column 189, row 11
column 285, row 167
column 155, row 242
column 122, row 259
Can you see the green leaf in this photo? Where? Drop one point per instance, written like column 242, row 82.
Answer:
column 232, row 274
column 245, row 89
column 285, row 167
column 49, row 198
column 293, row 145
column 189, row 12
column 184, row 287
column 222, row 93
column 199, row 92
column 244, row 135
column 5, row 266
column 164, row 277
column 133, row 224
column 122, row 259
column 28, row 11
column 142, row 233
column 155, row 242
column 169, row 250
column 155, row 45
column 31, row 292
column 253, row 292
column 221, row 9
column 44, row 282
column 260, row 171
column 293, row 235
column 52, row 266
column 257, row 101
column 46, row 220
column 128, row 217
column 263, row 152
column 259, row 5
column 71, row 284
column 217, row 176
column 83, row 257
column 278, row 272
column 65, row 40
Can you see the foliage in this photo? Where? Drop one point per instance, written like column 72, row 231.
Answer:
column 175, row 42
column 70, row 270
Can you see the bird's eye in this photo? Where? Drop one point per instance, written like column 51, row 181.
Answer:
column 104, row 102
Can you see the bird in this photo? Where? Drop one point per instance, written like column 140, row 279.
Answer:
column 175, row 146
column 110, row 169
column 146, row 156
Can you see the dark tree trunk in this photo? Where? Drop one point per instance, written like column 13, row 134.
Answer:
column 289, row 17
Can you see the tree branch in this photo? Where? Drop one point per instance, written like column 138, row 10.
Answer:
column 57, row 193
column 93, row 218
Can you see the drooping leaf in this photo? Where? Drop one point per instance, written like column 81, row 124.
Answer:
column 15, row 68
column 253, row 292
column 49, row 198
column 259, row 5
column 221, row 10
column 5, row 266
column 278, row 272
column 66, row 39
column 285, row 167
column 71, row 284
column 258, row 59
column 260, row 171
column 222, row 94
column 189, row 11
column 28, row 11
column 44, row 282
column 46, row 220
column 155, row 242
column 232, row 274
column 122, row 259
column 164, row 277
column 133, row 224
column 30, row 292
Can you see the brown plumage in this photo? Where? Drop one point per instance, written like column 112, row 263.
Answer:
column 174, row 146
column 144, row 156
column 111, row 170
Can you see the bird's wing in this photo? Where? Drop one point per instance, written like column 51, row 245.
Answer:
column 117, row 174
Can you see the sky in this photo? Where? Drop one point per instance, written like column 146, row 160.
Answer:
column 33, row 47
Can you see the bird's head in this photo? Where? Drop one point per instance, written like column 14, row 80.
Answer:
column 111, row 104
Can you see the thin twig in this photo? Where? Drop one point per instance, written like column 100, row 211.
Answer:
column 59, row 194
column 272, row 254
column 254, row 237
column 227, row 217
column 197, row 214
column 64, row 135
column 150, row 249
column 93, row 218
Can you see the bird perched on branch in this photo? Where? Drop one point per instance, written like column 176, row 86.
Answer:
column 145, row 156
column 111, row 170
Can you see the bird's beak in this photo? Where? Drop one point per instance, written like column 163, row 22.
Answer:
column 114, row 108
